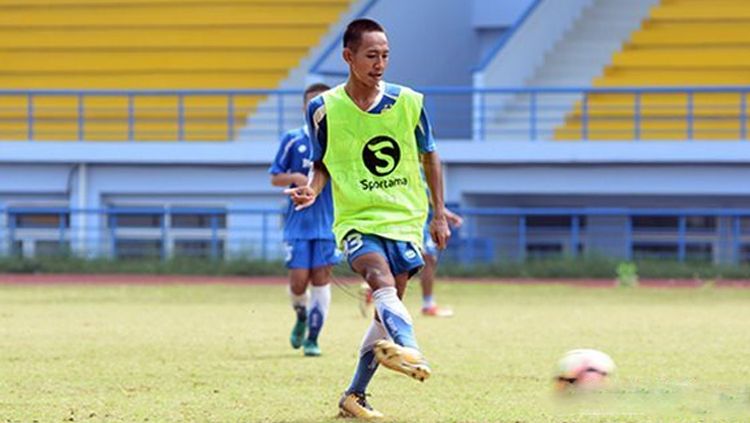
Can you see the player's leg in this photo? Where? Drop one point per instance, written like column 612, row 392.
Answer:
column 320, row 300
column 427, row 281
column 374, row 268
column 402, row 259
column 297, row 261
column 391, row 353
column 298, row 294
column 354, row 403
column 324, row 256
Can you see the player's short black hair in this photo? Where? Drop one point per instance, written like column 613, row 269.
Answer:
column 315, row 88
column 355, row 29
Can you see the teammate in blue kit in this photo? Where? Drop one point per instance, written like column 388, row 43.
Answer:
column 427, row 276
column 309, row 241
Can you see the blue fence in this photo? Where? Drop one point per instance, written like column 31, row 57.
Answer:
column 569, row 113
column 488, row 235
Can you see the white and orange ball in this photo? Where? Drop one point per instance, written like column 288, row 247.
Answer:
column 584, row 369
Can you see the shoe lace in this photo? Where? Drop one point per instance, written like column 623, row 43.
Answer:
column 362, row 399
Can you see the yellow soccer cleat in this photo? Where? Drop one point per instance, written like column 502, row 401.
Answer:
column 355, row 405
column 402, row 359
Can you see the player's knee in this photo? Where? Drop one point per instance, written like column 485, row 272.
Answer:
column 320, row 276
column 376, row 278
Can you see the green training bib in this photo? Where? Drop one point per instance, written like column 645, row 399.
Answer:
column 375, row 168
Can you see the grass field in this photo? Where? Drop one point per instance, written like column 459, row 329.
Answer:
column 219, row 353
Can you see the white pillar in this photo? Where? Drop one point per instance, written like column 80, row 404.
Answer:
column 82, row 217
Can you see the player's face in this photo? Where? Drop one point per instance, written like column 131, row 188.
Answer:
column 368, row 62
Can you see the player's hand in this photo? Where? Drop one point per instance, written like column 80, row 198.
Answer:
column 302, row 197
column 440, row 231
column 454, row 220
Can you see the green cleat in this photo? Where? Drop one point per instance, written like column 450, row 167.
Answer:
column 298, row 334
column 311, row 348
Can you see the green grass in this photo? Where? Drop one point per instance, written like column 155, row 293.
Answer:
column 220, row 354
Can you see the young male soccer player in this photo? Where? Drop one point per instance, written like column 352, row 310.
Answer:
column 427, row 276
column 368, row 139
column 310, row 244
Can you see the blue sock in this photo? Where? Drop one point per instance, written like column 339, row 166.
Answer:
column 427, row 301
column 314, row 324
column 366, row 367
column 395, row 317
column 320, row 300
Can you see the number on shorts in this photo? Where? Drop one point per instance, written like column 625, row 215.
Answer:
column 289, row 250
column 352, row 243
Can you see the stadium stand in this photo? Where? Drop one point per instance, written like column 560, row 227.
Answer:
column 162, row 44
column 564, row 44
column 681, row 43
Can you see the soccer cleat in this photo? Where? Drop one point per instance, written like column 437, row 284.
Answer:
column 298, row 334
column 437, row 311
column 402, row 359
column 311, row 348
column 365, row 300
column 355, row 405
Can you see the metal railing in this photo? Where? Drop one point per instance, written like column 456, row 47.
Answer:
column 488, row 235
column 481, row 114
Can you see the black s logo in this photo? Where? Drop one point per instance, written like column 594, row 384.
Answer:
column 381, row 155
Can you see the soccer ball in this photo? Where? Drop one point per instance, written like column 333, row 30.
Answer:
column 584, row 369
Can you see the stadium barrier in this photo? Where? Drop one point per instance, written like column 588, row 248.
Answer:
column 488, row 235
column 481, row 114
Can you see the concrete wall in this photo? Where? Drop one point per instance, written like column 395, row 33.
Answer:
column 430, row 46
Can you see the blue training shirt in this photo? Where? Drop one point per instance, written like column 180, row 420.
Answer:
column 314, row 222
column 316, row 119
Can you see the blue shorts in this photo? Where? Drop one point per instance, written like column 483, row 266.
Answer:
column 402, row 256
column 430, row 248
column 311, row 253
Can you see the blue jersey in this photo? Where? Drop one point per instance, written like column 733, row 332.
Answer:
column 316, row 119
column 314, row 222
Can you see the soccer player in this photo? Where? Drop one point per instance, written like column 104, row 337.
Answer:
column 310, row 244
column 427, row 277
column 369, row 138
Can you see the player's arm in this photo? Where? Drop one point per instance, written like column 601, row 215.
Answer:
column 287, row 179
column 433, row 172
column 304, row 195
column 280, row 170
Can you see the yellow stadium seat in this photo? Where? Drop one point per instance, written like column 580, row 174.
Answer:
column 682, row 43
column 139, row 44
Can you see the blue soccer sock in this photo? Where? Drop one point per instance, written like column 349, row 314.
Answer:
column 396, row 319
column 320, row 300
column 367, row 365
